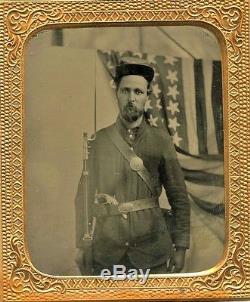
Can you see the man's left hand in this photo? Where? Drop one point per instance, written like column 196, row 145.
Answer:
column 177, row 261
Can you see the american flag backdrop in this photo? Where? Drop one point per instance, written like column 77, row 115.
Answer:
column 186, row 100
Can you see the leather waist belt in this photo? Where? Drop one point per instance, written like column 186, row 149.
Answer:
column 107, row 209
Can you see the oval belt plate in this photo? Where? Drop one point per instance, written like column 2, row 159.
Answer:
column 136, row 163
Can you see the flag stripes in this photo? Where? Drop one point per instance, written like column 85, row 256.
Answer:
column 202, row 177
column 211, row 131
column 190, row 105
column 210, row 194
column 196, row 163
column 201, row 117
column 217, row 104
column 209, row 207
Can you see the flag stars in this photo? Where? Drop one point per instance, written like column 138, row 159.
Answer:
column 172, row 76
column 108, row 52
column 172, row 123
column 172, row 91
column 137, row 54
column 148, row 105
column 153, row 120
column 123, row 53
column 158, row 104
column 176, row 139
column 156, row 75
column 173, row 107
column 170, row 60
column 110, row 65
column 156, row 90
column 151, row 59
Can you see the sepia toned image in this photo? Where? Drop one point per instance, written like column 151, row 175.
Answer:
column 124, row 145
column 124, row 148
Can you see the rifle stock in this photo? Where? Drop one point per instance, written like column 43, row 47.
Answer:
column 87, row 267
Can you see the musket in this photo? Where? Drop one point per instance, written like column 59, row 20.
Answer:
column 88, row 226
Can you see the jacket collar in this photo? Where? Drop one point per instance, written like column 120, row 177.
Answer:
column 126, row 132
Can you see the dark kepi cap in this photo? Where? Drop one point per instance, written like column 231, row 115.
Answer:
column 134, row 66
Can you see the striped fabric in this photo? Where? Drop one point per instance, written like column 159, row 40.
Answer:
column 186, row 100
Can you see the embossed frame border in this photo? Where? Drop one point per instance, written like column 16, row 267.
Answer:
column 229, row 21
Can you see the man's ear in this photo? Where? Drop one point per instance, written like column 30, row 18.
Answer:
column 149, row 89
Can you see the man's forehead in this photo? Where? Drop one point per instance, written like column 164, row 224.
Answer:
column 133, row 81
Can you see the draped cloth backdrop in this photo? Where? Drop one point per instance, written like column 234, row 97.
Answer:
column 186, row 101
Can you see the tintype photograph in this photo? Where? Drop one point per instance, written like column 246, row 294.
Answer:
column 124, row 150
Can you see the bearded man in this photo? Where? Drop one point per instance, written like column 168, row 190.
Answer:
column 129, row 163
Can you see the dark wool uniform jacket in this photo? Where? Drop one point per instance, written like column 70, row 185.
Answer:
column 144, row 235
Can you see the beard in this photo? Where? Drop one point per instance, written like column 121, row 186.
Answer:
column 131, row 113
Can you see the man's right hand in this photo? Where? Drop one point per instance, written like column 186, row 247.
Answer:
column 79, row 258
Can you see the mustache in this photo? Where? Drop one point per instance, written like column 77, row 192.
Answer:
column 130, row 106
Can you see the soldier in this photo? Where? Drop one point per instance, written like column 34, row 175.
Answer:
column 129, row 162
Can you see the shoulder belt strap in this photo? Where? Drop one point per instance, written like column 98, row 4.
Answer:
column 131, row 157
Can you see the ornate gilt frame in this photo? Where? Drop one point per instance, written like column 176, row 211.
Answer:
column 20, row 281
